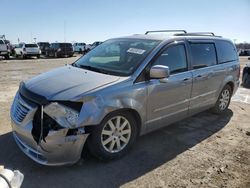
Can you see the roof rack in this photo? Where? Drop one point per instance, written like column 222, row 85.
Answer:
column 166, row 31
column 197, row 34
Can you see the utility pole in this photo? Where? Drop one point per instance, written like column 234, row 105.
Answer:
column 64, row 30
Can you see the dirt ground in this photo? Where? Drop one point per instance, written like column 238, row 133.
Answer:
column 205, row 150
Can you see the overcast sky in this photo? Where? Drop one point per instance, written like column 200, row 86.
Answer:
column 92, row 20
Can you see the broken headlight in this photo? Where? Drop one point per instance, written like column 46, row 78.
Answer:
column 63, row 115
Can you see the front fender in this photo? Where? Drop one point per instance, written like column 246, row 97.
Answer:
column 96, row 108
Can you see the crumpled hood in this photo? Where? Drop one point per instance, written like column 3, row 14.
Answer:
column 67, row 82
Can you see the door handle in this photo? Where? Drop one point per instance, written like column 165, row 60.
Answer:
column 202, row 76
column 199, row 76
column 185, row 79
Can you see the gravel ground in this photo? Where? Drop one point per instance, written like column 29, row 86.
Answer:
column 205, row 150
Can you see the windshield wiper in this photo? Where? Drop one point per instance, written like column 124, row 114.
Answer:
column 95, row 69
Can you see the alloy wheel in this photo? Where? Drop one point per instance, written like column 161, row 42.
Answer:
column 116, row 134
column 224, row 99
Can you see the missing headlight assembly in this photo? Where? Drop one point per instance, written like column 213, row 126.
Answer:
column 54, row 117
column 65, row 116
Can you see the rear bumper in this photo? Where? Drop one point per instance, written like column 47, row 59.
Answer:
column 57, row 149
column 32, row 54
column 61, row 53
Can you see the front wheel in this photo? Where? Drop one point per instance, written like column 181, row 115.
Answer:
column 223, row 100
column 113, row 137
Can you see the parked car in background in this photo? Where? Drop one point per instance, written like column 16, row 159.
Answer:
column 246, row 76
column 124, row 88
column 4, row 49
column 92, row 46
column 79, row 47
column 27, row 50
column 9, row 46
column 60, row 50
column 43, row 46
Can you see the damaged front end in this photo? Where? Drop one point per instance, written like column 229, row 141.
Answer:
column 48, row 132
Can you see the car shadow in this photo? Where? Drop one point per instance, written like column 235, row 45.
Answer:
column 150, row 152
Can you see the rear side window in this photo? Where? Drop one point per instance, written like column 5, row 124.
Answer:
column 1, row 42
column 204, row 55
column 174, row 57
column 226, row 52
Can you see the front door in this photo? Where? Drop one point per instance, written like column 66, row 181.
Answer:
column 168, row 99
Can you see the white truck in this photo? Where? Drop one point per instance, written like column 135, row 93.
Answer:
column 4, row 51
column 79, row 47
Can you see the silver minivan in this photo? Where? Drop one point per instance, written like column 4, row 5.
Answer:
column 124, row 88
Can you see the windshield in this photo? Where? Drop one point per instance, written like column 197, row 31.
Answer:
column 117, row 56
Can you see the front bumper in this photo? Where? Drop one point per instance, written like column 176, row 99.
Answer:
column 57, row 149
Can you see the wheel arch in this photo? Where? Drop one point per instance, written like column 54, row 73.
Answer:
column 133, row 112
column 231, row 84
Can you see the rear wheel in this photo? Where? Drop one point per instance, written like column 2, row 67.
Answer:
column 223, row 100
column 23, row 56
column 80, row 51
column 113, row 137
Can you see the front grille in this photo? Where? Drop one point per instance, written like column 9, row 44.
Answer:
column 19, row 109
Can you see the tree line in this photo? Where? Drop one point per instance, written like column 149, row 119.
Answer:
column 243, row 45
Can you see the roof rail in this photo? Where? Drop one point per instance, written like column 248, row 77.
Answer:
column 165, row 31
column 197, row 34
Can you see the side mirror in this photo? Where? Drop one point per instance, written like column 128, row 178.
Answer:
column 159, row 72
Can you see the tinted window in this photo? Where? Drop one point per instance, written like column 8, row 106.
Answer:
column 30, row 45
column 1, row 42
column 7, row 42
column 204, row 55
column 174, row 57
column 226, row 51
column 65, row 45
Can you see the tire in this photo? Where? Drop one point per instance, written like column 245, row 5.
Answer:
column 80, row 51
column 7, row 56
column 16, row 56
column 246, row 80
column 104, row 141
column 223, row 101
column 38, row 56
